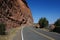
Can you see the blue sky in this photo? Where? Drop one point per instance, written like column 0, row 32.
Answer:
column 45, row 8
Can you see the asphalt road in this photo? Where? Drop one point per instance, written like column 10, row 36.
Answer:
column 31, row 33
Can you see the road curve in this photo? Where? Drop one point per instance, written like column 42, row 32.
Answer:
column 30, row 33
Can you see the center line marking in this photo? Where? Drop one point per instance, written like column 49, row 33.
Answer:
column 42, row 34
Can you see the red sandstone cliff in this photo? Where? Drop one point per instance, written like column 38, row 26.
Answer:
column 14, row 13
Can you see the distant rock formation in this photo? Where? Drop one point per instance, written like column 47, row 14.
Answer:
column 15, row 13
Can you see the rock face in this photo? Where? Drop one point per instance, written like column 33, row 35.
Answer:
column 15, row 13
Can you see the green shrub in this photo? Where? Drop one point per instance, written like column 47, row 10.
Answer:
column 2, row 29
column 57, row 29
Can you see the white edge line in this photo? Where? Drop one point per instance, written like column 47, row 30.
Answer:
column 22, row 34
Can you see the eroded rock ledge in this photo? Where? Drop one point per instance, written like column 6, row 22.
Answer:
column 15, row 13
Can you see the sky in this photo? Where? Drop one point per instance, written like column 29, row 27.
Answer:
column 44, row 8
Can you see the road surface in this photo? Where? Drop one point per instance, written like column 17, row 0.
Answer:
column 31, row 33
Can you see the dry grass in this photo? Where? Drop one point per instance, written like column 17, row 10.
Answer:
column 44, row 29
column 12, row 32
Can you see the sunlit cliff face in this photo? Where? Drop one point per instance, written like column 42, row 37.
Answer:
column 15, row 12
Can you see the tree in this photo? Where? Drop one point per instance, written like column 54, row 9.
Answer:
column 2, row 29
column 57, row 26
column 43, row 22
column 57, row 23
